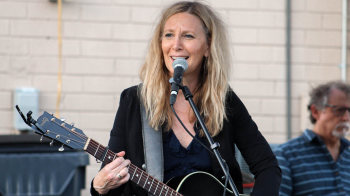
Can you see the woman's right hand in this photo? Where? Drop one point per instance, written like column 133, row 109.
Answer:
column 112, row 175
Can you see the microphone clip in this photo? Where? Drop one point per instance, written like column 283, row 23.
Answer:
column 171, row 80
column 174, row 89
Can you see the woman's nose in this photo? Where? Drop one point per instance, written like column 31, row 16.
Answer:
column 177, row 44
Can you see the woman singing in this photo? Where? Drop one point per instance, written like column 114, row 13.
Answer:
column 192, row 31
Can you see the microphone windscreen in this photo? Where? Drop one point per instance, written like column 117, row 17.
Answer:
column 180, row 62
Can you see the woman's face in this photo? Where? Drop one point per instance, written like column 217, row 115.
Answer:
column 184, row 36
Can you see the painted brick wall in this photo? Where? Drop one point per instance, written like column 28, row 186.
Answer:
column 104, row 43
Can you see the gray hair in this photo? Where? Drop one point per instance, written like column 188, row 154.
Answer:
column 319, row 95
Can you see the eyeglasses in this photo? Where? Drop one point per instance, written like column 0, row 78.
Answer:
column 338, row 110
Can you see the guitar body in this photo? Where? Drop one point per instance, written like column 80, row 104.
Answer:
column 198, row 183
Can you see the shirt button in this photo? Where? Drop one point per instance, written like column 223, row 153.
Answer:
column 336, row 173
column 341, row 190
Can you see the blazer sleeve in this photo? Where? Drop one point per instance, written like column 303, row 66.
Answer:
column 254, row 148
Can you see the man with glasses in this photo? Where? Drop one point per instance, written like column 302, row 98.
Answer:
column 318, row 161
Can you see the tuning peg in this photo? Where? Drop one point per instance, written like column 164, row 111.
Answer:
column 72, row 124
column 41, row 138
column 61, row 148
column 62, row 119
column 51, row 143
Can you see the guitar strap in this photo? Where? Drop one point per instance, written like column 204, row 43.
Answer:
column 153, row 147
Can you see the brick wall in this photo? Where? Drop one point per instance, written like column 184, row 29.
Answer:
column 104, row 43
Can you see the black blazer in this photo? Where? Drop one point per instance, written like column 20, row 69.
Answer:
column 238, row 129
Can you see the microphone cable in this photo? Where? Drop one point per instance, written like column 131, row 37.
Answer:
column 209, row 150
column 172, row 107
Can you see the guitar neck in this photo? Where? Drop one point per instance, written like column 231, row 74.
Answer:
column 137, row 175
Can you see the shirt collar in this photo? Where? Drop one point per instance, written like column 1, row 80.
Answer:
column 310, row 137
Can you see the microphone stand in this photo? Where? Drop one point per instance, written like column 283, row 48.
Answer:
column 214, row 146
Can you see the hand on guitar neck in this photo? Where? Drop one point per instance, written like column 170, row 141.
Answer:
column 112, row 175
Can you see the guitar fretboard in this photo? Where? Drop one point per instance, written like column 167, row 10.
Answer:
column 137, row 175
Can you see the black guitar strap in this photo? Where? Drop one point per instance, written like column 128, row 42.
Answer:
column 153, row 147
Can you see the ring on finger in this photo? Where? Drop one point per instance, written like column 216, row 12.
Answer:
column 120, row 176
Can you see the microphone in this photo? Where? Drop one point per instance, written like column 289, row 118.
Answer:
column 180, row 66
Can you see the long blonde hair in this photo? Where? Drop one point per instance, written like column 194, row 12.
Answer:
column 210, row 94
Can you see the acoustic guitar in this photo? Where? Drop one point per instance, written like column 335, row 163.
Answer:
column 194, row 184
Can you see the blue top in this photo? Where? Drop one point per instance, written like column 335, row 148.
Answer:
column 179, row 161
column 309, row 169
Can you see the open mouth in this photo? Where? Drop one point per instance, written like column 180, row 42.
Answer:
column 176, row 57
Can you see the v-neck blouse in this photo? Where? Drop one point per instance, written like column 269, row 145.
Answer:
column 180, row 161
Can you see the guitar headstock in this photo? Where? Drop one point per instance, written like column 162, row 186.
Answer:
column 51, row 127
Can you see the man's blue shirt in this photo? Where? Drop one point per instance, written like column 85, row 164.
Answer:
column 309, row 169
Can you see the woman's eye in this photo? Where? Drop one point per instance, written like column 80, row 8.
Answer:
column 168, row 35
column 189, row 36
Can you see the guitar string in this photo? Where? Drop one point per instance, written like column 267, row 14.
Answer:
column 152, row 188
column 138, row 170
column 99, row 150
column 81, row 136
column 135, row 170
column 78, row 142
column 74, row 133
column 142, row 177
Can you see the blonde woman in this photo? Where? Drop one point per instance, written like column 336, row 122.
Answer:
column 193, row 31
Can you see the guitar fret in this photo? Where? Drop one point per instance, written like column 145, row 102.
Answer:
column 156, row 188
column 146, row 181
column 167, row 189
column 151, row 185
column 140, row 178
column 161, row 190
column 97, row 149
column 108, row 155
column 133, row 174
